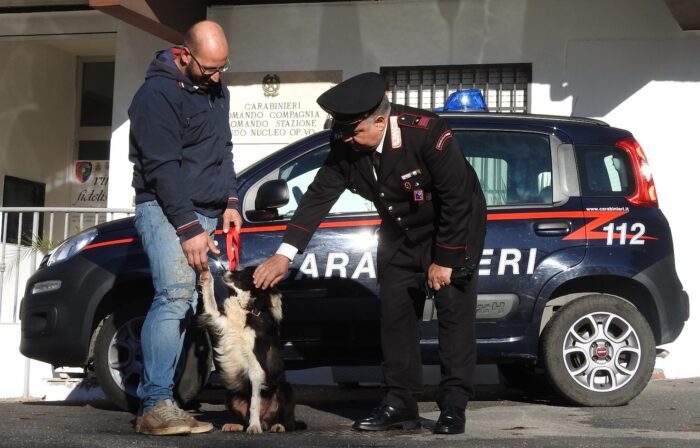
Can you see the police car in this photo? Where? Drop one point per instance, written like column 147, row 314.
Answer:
column 577, row 278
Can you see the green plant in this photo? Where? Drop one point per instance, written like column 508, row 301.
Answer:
column 30, row 244
column 37, row 243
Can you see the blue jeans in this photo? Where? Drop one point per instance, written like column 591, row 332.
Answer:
column 173, row 306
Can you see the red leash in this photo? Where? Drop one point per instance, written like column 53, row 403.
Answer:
column 233, row 244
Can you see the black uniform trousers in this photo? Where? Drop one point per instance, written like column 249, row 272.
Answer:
column 402, row 297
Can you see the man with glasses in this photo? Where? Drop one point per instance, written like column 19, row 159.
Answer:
column 433, row 214
column 180, row 145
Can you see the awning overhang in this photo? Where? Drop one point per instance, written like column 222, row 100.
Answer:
column 686, row 13
column 169, row 20
column 163, row 18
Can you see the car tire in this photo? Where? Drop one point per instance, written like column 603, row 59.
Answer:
column 598, row 350
column 118, row 360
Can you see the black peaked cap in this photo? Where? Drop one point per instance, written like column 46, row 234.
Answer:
column 355, row 98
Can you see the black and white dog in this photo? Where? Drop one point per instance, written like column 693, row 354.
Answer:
column 247, row 352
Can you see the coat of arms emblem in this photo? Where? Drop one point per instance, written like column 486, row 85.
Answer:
column 82, row 171
column 271, row 84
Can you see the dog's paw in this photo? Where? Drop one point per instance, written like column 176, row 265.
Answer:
column 232, row 427
column 254, row 429
column 278, row 427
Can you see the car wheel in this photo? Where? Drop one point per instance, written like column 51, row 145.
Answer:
column 118, row 359
column 598, row 350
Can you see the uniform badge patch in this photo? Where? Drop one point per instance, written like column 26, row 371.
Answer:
column 444, row 138
column 411, row 174
column 418, row 195
column 395, row 132
column 407, row 186
column 415, row 121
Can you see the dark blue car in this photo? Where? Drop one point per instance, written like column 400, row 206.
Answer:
column 577, row 277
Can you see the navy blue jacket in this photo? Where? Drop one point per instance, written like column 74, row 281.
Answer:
column 180, row 145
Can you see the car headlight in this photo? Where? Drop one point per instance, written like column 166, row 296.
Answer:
column 71, row 246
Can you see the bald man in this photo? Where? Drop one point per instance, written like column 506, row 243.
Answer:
column 180, row 145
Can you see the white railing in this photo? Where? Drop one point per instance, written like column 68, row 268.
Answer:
column 28, row 233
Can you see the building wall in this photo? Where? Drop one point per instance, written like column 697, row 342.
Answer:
column 37, row 115
column 626, row 62
column 38, row 93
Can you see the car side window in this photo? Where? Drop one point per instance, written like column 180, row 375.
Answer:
column 300, row 172
column 604, row 171
column 514, row 168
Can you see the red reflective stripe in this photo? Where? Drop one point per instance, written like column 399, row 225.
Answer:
column 324, row 225
column 263, row 229
column 534, row 215
column 599, row 218
column 600, row 215
column 376, row 222
column 110, row 243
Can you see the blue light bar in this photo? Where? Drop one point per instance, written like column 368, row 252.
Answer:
column 470, row 100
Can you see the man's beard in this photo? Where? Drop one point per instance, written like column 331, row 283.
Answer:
column 203, row 82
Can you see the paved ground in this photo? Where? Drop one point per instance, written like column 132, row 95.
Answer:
column 667, row 414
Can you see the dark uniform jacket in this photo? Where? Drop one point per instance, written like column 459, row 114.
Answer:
column 426, row 191
column 180, row 145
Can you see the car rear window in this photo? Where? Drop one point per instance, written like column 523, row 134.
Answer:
column 514, row 168
column 604, row 171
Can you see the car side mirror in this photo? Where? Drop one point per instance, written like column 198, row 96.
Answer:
column 271, row 195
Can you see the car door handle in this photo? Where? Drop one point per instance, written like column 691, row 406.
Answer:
column 553, row 228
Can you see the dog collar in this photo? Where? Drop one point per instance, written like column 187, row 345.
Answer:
column 254, row 312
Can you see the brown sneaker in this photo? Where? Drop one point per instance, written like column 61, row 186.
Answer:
column 196, row 427
column 163, row 419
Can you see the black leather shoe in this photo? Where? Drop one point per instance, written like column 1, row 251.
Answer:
column 388, row 417
column 451, row 421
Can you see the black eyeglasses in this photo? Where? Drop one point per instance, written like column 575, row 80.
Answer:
column 210, row 71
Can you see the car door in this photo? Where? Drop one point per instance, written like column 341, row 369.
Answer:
column 530, row 212
column 330, row 298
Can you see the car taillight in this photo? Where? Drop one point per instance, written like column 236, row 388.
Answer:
column 645, row 194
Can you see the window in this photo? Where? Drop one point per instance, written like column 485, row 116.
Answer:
column 96, row 94
column 504, row 86
column 95, row 109
column 514, row 168
column 21, row 193
column 301, row 172
column 604, row 171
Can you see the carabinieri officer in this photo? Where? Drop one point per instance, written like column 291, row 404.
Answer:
column 433, row 212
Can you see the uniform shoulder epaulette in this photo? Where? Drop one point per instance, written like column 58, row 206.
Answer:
column 415, row 121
